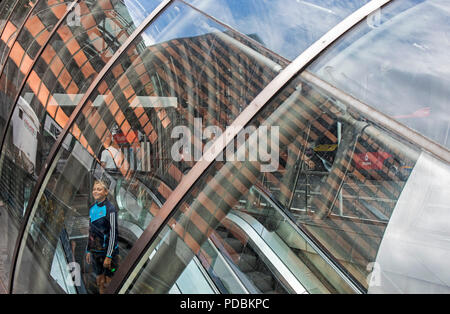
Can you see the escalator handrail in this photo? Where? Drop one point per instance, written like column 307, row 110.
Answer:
column 279, row 268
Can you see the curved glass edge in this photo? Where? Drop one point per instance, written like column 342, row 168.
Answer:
column 373, row 61
column 414, row 251
column 166, row 78
column 285, row 27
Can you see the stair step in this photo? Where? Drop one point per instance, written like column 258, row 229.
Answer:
column 222, row 234
column 262, row 281
column 235, row 244
column 247, row 262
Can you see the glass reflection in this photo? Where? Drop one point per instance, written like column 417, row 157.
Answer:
column 34, row 34
column 413, row 255
column 12, row 26
column 184, row 72
column 5, row 9
column 374, row 63
column 337, row 182
column 72, row 59
column 285, row 27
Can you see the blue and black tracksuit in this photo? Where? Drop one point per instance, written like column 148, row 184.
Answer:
column 103, row 234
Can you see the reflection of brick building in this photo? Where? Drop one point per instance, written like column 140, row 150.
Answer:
column 329, row 202
column 212, row 77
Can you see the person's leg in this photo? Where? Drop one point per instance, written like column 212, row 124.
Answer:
column 99, row 272
column 107, row 281
column 109, row 273
column 101, row 283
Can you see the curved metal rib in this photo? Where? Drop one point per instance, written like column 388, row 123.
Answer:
column 121, row 278
column 43, row 176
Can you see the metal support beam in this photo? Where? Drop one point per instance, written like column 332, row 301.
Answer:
column 3, row 136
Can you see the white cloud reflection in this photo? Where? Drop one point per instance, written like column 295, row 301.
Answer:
column 400, row 67
column 286, row 27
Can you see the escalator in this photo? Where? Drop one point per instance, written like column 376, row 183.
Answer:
column 305, row 260
column 234, row 261
column 257, row 272
column 134, row 199
column 257, row 248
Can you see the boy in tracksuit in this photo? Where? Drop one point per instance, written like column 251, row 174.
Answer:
column 102, row 246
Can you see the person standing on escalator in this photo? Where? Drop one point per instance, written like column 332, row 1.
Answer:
column 102, row 249
column 110, row 157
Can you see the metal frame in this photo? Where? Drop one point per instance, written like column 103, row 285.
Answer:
column 382, row 119
column 49, row 163
column 121, row 278
column 278, row 83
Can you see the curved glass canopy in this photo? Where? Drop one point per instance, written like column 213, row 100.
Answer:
column 315, row 194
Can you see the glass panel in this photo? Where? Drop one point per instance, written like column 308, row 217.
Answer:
column 5, row 9
column 34, row 34
column 373, row 63
column 72, row 59
column 333, row 172
column 286, row 27
column 414, row 253
column 10, row 31
column 182, row 71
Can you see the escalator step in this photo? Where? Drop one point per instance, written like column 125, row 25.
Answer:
column 262, row 281
column 235, row 244
column 222, row 234
column 247, row 262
